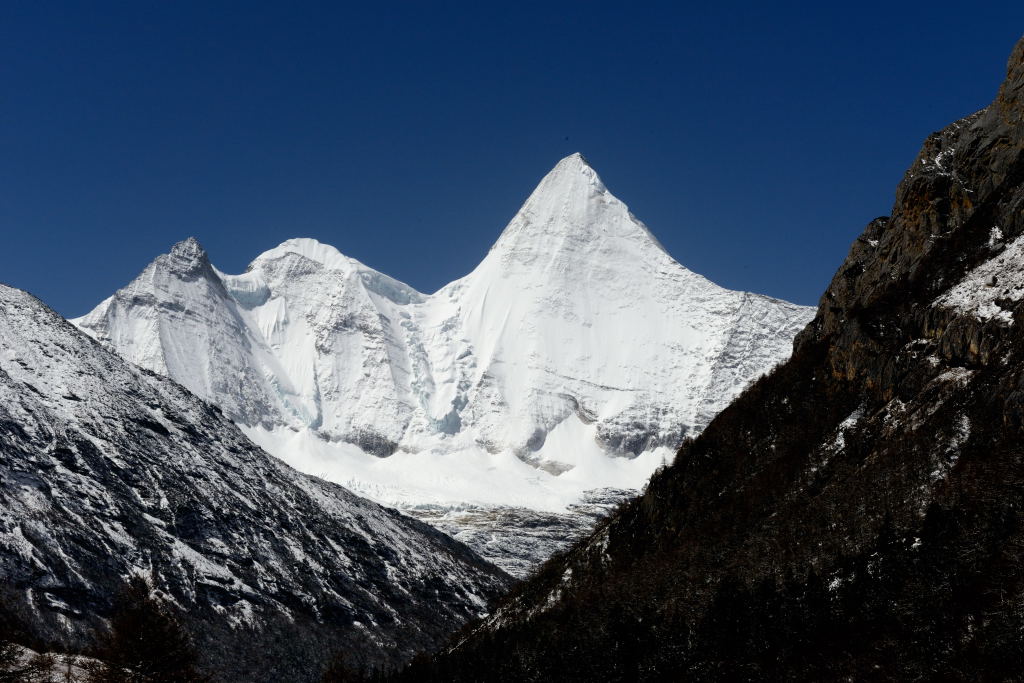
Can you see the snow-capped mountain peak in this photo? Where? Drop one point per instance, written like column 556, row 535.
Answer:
column 189, row 249
column 309, row 248
column 188, row 260
column 330, row 259
column 571, row 212
column 575, row 356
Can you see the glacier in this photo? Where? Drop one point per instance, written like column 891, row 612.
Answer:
column 563, row 370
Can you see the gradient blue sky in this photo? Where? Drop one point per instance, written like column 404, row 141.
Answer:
column 755, row 140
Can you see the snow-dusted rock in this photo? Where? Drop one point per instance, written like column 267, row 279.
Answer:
column 107, row 469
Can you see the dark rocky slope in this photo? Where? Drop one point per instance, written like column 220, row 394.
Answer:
column 855, row 515
column 107, row 471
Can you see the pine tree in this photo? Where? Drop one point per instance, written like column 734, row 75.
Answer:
column 17, row 663
column 146, row 641
column 339, row 670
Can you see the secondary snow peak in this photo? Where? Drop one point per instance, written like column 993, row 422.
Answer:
column 188, row 257
column 310, row 248
column 188, row 248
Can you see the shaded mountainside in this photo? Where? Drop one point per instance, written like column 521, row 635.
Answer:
column 107, row 471
column 857, row 513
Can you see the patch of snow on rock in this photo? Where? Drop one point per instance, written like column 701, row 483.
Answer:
column 987, row 289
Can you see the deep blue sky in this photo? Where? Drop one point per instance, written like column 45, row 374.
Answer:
column 755, row 140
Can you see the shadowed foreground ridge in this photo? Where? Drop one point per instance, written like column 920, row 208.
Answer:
column 855, row 514
column 108, row 471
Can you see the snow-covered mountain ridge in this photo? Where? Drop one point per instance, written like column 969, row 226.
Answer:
column 108, row 470
column 575, row 357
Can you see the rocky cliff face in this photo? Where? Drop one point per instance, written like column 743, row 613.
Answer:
column 858, row 513
column 107, row 470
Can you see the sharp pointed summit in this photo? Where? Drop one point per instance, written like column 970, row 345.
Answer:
column 572, row 217
column 574, row 358
column 577, row 164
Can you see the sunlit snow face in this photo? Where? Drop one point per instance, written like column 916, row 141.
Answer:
column 575, row 357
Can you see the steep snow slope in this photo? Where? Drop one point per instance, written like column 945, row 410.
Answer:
column 574, row 358
column 107, row 469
